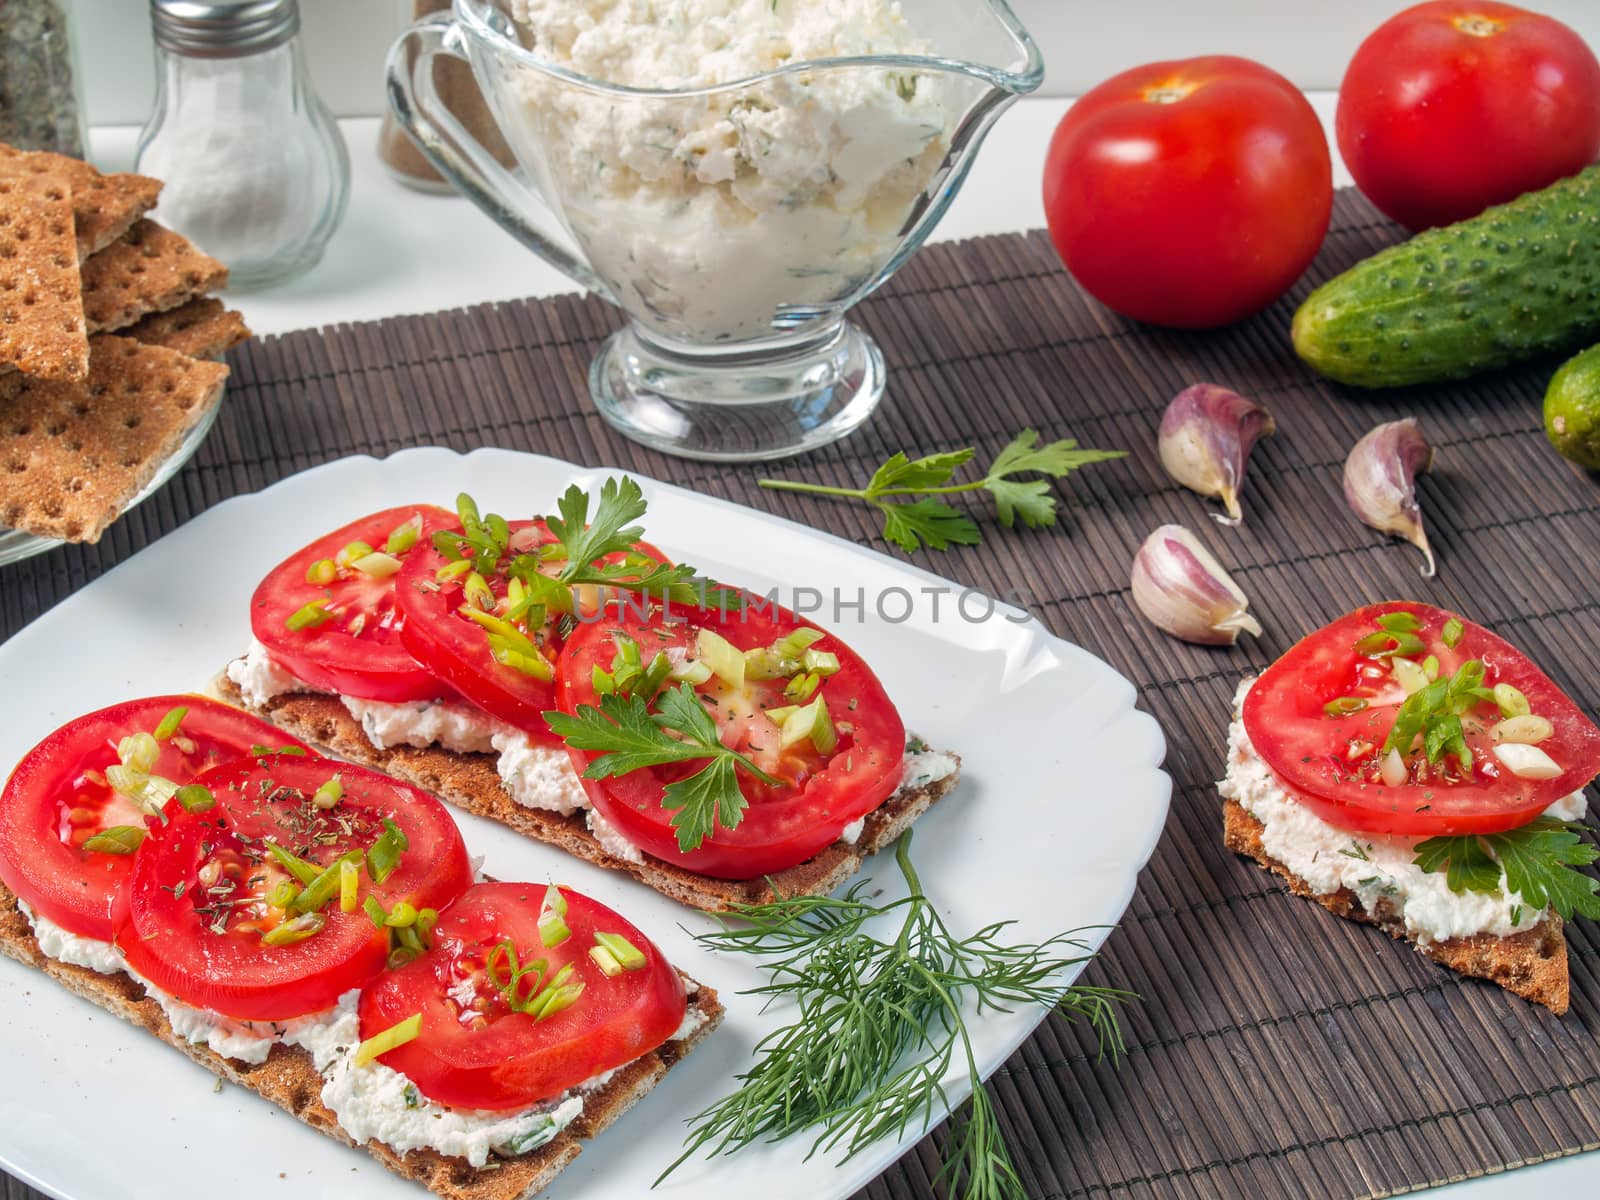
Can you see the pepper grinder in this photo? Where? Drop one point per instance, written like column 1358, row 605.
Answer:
column 256, row 171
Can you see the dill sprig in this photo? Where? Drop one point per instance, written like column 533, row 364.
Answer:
column 879, row 1025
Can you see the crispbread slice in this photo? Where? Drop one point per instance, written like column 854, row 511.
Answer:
column 74, row 455
column 41, row 313
column 1532, row 964
column 104, row 207
column 202, row 328
column 470, row 781
column 290, row 1080
column 149, row 270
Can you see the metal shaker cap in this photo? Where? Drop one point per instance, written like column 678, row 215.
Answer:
column 223, row 29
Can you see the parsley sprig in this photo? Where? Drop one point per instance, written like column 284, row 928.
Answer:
column 910, row 524
column 1537, row 861
column 631, row 736
column 878, row 1025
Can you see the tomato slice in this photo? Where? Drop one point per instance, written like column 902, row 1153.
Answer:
column 58, row 798
column 358, row 652
column 474, row 1050
column 820, row 794
column 457, row 649
column 1333, row 762
column 194, row 915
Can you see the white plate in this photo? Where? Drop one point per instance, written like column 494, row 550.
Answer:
column 1061, row 803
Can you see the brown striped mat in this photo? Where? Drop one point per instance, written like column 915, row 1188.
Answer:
column 1278, row 1051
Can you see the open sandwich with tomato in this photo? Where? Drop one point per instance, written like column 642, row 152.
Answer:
column 564, row 677
column 312, row 931
column 1405, row 767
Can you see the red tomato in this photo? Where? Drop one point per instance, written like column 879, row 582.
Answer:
column 1189, row 193
column 457, row 649
column 359, row 651
column 58, row 798
column 783, row 825
column 1331, row 762
column 474, row 1050
column 1452, row 106
column 184, row 928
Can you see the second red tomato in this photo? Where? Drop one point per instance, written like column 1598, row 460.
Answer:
column 1189, row 193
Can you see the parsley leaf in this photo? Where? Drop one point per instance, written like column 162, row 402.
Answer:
column 913, row 524
column 1537, row 861
column 630, row 737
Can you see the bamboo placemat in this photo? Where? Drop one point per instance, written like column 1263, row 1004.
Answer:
column 1277, row 1051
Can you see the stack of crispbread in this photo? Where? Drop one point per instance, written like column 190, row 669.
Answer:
column 88, row 417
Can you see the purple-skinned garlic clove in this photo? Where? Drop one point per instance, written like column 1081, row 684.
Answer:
column 1206, row 437
column 1380, row 483
column 1185, row 592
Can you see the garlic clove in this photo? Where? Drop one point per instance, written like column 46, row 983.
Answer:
column 1380, row 482
column 1185, row 592
column 1206, row 437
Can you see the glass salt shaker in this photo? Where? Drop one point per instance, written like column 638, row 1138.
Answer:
column 256, row 171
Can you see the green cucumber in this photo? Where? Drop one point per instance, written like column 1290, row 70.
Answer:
column 1572, row 409
column 1513, row 282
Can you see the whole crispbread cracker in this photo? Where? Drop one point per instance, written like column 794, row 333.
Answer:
column 202, row 328
column 470, row 781
column 290, row 1080
column 41, row 313
column 104, row 207
column 1532, row 964
column 74, row 455
column 149, row 270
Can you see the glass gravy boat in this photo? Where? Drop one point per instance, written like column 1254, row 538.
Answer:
column 734, row 225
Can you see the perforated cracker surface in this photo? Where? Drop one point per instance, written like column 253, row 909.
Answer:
column 150, row 270
column 202, row 328
column 41, row 315
column 104, row 207
column 74, row 455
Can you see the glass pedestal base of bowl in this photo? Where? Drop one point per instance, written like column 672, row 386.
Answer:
column 738, row 407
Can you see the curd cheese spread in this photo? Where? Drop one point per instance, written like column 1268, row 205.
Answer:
column 714, row 211
column 1378, row 868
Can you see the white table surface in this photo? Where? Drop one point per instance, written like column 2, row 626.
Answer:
column 387, row 259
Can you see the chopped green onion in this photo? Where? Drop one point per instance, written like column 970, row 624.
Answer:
column 553, row 1000
column 308, row 617
column 793, row 645
column 691, row 671
column 401, row 915
column 801, row 687
column 139, row 751
column 725, row 660
column 149, row 792
column 477, row 593
column 282, row 894
column 628, row 956
column 1399, row 622
column 403, row 537
column 374, row 912
column 553, row 929
column 390, row 1039
column 329, row 794
column 427, row 918
column 118, row 839
column 384, row 856
column 509, row 654
column 1409, row 674
column 298, row 929
column 1344, row 706
column 603, row 682
column 820, row 662
column 1386, row 644
column 781, row 713
column 1511, row 701
column 349, row 882
column 322, row 572
column 352, row 551
column 453, row 570
column 195, row 798
column 606, row 961
column 401, row 956
column 378, row 565
column 1451, row 634
column 326, row 885
column 553, row 901
column 1430, row 668
column 169, row 723
column 764, row 663
column 813, row 722
column 406, row 935
column 302, row 870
